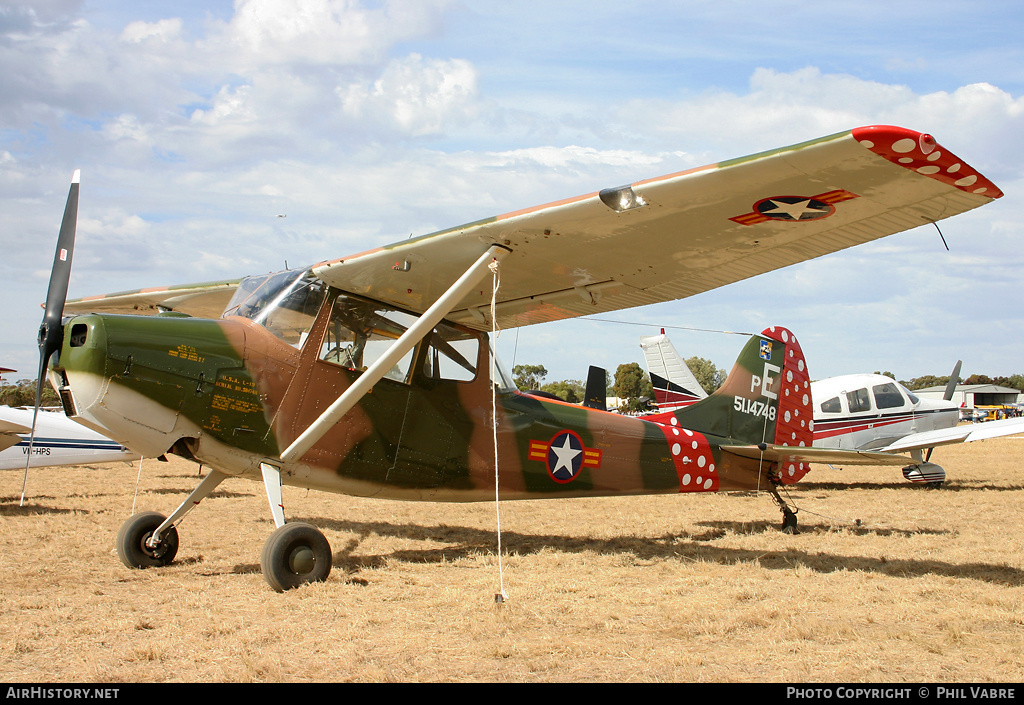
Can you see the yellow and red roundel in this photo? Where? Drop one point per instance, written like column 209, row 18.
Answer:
column 565, row 455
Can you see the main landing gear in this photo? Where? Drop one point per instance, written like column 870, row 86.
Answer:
column 294, row 555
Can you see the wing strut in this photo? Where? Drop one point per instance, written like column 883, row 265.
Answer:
column 375, row 372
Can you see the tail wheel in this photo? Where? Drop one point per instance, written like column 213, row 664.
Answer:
column 133, row 542
column 294, row 555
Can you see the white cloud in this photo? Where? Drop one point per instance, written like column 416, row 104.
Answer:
column 413, row 96
column 165, row 31
column 323, row 32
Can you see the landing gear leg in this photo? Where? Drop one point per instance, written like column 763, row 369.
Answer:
column 788, row 515
column 148, row 540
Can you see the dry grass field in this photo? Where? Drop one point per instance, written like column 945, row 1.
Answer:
column 928, row 587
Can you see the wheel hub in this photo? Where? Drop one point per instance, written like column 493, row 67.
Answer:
column 301, row 560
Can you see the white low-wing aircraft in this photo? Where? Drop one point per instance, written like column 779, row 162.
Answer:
column 858, row 412
column 372, row 374
column 58, row 441
column 874, row 412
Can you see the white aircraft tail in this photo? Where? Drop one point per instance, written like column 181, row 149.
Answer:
column 674, row 384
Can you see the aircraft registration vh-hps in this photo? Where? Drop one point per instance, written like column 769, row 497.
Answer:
column 373, row 374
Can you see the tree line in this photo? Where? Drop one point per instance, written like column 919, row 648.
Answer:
column 633, row 385
column 23, row 393
column 631, row 382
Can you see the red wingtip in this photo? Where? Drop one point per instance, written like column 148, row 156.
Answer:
column 920, row 152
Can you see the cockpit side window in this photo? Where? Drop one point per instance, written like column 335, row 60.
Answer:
column 359, row 332
column 831, row 406
column 452, row 354
column 887, row 396
column 858, row 400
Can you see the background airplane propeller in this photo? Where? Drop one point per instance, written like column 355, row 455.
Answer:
column 51, row 333
column 954, row 379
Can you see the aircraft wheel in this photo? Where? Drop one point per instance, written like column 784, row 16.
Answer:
column 935, row 485
column 788, row 522
column 295, row 554
column 132, row 537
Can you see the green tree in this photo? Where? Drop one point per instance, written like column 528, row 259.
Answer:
column 23, row 393
column 925, row 381
column 529, row 377
column 707, row 374
column 571, row 390
column 1015, row 382
column 632, row 385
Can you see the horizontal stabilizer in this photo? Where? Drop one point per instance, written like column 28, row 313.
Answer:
column 810, row 454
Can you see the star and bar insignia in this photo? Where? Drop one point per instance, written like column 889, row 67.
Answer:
column 794, row 208
column 565, row 455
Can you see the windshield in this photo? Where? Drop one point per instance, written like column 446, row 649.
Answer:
column 499, row 375
column 285, row 303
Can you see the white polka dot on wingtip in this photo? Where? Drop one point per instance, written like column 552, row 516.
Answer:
column 904, row 146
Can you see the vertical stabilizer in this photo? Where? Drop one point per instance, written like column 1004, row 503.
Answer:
column 674, row 383
column 766, row 399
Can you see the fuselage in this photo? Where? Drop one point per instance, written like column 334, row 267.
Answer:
column 869, row 412
column 235, row 392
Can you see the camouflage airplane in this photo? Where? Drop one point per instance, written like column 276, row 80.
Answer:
column 373, row 374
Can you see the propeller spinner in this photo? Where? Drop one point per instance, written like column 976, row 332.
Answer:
column 51, row 332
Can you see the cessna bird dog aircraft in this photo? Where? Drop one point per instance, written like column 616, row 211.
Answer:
column 372, row 374
column 853, row 412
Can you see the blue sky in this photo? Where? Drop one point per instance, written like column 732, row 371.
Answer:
column 196, row 123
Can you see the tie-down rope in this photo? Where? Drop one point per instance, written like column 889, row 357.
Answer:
column 500, row 597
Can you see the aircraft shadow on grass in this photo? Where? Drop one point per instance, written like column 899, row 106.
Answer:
column 466, row 541
column 947, row 486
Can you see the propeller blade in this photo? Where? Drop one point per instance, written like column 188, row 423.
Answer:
column 954, row 379
column 51, row 332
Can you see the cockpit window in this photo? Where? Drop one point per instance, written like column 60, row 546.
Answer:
column 887, row 396
column 914, row 399
column 359, row 332
column 452, row 354
column 858, row 400
column 285, row 303
column 831, row 406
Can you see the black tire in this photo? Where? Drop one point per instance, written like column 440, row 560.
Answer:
column 132, row 537
column 294, row 555
column 789, row 522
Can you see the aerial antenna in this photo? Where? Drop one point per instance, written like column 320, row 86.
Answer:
column 941, row 235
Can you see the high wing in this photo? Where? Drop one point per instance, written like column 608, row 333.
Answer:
column 957, row 434
column 655, row 240
column 679, row 235
column 206, row 300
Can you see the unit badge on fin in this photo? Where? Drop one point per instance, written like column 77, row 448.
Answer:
column 765, row 352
